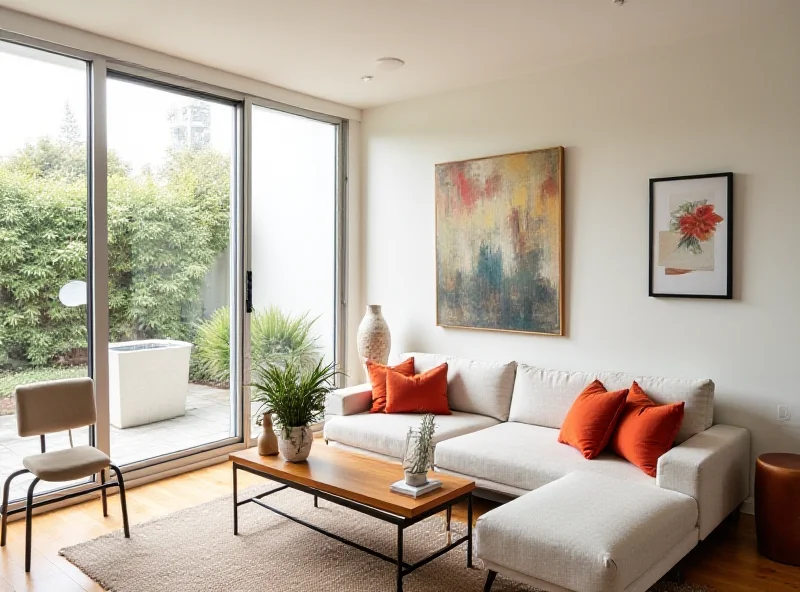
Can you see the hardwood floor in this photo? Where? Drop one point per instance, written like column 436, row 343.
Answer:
column 728, row 561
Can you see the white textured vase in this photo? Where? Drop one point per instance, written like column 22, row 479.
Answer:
column 297, row 446
column 373, row 338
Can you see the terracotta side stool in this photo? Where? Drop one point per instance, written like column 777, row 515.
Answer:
column 778, row 507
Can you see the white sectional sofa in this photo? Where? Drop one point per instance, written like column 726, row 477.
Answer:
column 503, row 434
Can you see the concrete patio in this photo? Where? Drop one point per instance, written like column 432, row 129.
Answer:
column 207, row 420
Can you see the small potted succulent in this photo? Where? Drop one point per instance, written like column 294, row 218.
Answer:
column 418, row 457
column 296, row 397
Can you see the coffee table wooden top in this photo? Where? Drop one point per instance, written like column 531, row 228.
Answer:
column 354, row 477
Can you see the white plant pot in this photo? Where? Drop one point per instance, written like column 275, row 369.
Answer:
column 297, row 446
column 416, row 479
column 148, row 381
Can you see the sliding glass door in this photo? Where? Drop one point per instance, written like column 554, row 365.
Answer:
column 172, row 158
column 44, row 197
column 294, row 231
column 165, row 237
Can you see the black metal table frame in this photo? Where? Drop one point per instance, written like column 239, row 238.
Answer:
column 403, row 568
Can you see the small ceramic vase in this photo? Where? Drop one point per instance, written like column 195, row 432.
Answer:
column 267, row 440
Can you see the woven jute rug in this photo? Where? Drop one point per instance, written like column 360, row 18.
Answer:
column 194, row 550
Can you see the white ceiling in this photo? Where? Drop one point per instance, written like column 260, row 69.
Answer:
column 324, row 47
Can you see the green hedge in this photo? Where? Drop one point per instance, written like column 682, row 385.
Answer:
column 165, row 231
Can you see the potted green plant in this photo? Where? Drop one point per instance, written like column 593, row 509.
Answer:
column 418, row 456
column 296, row 397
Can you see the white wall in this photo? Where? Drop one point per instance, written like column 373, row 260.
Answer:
column 721, row 104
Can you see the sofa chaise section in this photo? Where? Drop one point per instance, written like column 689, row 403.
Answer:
column 588, row 533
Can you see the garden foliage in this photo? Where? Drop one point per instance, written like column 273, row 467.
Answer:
column 166, row 229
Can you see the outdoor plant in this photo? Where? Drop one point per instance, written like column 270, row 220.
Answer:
column 211, row 357
column 166, row 229
column 293, row 394
column 276, row 337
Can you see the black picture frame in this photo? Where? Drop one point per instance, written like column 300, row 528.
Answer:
column 728, row 293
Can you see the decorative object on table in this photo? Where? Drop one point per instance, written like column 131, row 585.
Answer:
column 296, row 397
column 374, row 341
column 500, row 242
column 418, row 456
column 267, row 440
column 691, row 236
column 777, row 497
column 404, row 488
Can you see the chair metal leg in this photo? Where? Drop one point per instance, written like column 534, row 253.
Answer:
column 6, row 490
column 29, row 524
column 489, row 581
column 124, row 505
column 103, row 493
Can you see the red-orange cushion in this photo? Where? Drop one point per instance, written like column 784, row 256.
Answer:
column 377, row 376
column 592, row 418
column 645, row 430
column 422, row 393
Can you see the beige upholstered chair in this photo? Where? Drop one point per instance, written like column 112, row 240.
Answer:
column 55, row 406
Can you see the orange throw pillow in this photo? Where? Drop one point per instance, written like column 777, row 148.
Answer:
column 423, row 393
column 646, row 430
column 592, row 418
column 377, row 376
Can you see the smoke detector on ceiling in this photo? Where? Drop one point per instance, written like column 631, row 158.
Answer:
column 389, row 64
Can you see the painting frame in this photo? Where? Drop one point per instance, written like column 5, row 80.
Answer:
column 559, row 258
column 726, row 293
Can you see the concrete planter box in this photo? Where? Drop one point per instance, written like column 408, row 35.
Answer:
column 148, row 381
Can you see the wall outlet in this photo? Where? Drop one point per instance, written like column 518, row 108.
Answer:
column 784, row 414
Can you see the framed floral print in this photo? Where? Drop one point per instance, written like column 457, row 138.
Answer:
column 691, row 236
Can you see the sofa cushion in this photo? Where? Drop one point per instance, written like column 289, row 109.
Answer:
column 473, row 387
column 420, row 393
column 543, row 397
column 587, row 532
column 385, row 433
column 698, row 395
column 646, row 430
column 525, row 456
column 592, row 419
column 377, row 377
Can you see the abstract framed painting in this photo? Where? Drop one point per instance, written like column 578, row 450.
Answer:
column 691, row 236
column 500, row 243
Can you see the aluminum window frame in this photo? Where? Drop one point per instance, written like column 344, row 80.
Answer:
column 340, row 233
column 100, row 67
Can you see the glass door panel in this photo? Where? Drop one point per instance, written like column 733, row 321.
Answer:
column 293, row 239
column 171, row 159
column 43, row 227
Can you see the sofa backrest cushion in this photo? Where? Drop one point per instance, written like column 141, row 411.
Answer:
column 543, row 397
column 698, row 395
column 473, row 387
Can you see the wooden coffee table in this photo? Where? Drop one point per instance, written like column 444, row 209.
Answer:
column 360, row 483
